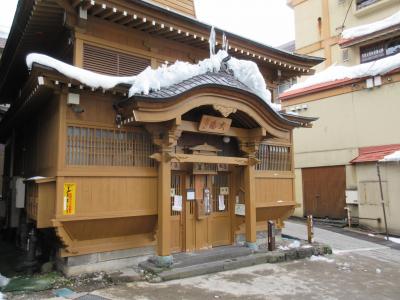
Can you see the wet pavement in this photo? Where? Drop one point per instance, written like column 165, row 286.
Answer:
column 358, row 269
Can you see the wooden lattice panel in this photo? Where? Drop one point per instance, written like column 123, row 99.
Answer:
column 88, row 146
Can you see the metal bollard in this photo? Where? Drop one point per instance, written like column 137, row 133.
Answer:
column 271, row 236
column 310, row 229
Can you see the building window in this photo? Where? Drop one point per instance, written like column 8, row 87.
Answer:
column 108, row 147
column 379, row 50
column 393, row 47
column 364, row 3
column 274, row 158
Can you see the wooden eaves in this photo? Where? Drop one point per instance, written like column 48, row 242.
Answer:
column 39, row 24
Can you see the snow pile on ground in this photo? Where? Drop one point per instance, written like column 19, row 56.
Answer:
column 321, row 258
column 3, row 281
column 292, row 245
column 395, row 156
column 394, row 240
column 372, row 27
column 2, row 296
column 154, row 79
column 378, row 67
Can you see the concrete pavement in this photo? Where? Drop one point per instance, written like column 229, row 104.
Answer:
column 358, row 269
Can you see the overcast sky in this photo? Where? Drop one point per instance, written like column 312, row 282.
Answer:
column 267, row 21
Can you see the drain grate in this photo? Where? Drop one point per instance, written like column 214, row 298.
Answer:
column 91, row 297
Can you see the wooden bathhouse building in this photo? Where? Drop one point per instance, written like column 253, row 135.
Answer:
column 114, row 146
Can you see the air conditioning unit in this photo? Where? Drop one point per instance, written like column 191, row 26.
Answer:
column 351, row 197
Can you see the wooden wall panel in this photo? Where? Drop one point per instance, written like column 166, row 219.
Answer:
column 98, row 110
column 36, row 142
column 183, row 6
column 110, row 228
column 273, row 190
column 220, row 230
column 100, row 197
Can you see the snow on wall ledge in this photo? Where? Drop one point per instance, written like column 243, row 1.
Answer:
column 362, row 30
column 378, row 67
column 154, row 79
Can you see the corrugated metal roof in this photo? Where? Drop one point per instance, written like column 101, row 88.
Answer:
column 375, row 153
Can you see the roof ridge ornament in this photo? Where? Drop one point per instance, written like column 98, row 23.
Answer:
column 211, row 41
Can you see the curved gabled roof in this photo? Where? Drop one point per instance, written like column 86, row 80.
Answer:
column 208, row 79
column 222, row 79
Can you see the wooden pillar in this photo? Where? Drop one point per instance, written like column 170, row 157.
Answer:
column 164, row 199
column 165, row 136
column 250, row 147
column 250, row 204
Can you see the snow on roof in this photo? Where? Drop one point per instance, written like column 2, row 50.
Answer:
column 334, row 72
column 395, row 156
column 150, row 79
column 362, row 30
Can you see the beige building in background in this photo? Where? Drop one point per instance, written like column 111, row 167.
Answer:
column 358, row 118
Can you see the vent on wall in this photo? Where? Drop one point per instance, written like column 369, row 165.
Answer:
column 111, row 62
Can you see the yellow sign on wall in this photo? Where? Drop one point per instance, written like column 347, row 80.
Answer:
column 69, row 198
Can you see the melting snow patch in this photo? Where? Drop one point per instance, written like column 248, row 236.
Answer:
column 283, row 248
column 150, row 79
column 370, row 234
column 378, row 67
column 3, row 281
column 378, row 271
column 371, row 27
column 321, row 258
column 2, row 296
column 294, row 244
column 394, row 240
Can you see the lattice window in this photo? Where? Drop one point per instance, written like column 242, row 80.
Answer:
column 274, row 158
column 108, row 147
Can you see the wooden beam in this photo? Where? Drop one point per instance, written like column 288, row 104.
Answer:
column 193, row 158
column 67, row 6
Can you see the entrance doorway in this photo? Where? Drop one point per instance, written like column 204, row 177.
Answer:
column 191, row 229
column 324, row 190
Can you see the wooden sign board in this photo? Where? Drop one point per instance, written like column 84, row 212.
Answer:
column 214, row 124
column 69, row 198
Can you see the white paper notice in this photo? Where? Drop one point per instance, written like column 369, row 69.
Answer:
column 221, row 202
column 177, row 203
column 190, row 195
column 240, row 209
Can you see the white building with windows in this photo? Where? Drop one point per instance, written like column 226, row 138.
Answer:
column 355, row 94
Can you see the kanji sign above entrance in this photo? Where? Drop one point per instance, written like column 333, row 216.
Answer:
column 214, row 124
